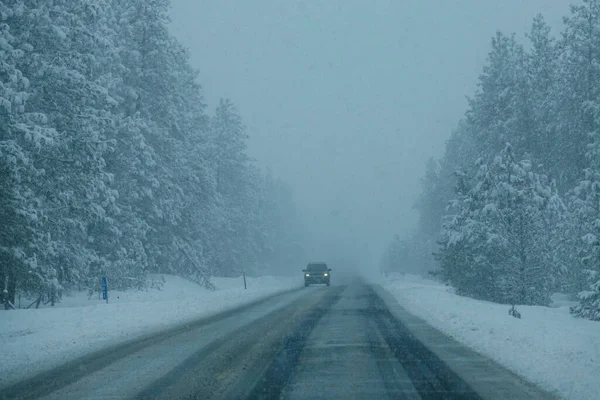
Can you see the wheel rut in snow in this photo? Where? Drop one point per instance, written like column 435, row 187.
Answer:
column 432, row 378
column 254, row 361
column 282, row 367
column 359, row 350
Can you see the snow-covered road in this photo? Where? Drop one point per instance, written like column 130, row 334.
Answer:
column 33, row 341
column 547, row 346
column 340, row 342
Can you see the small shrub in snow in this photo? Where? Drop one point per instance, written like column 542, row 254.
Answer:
column 513, row 312
column 589, row 300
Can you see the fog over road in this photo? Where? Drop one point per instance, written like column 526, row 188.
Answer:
column 349, row 98
column 350, row 341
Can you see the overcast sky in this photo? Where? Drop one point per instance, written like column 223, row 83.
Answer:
column 347, row 99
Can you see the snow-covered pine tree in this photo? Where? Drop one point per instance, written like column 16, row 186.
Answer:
column 229, row 142
column 79, row 200
column 542, row 70
column 580, row 118
column 578, row 88
column 160, row 95
column 525, row 207
column 585, row 202
column 149, row 71
column 23, row 134
column 585, row 206
column 196, row 176
column 120, row 238
column 501, row 111
column 439, row 184
column 498, row 246
column 545, row 102
column 467, row 260
column 135, row 178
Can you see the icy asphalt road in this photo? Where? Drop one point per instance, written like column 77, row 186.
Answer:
column 341, row 342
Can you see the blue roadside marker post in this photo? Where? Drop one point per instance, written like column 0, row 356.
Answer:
column 105, row 288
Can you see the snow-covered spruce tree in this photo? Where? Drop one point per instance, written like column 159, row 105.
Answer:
column 585, row 206
column 501, row 111
column 234, row 192
column 149, row 70
column 160, row 94
column 585, row 201
column 545, row 102
column 120, row 238
column 23, row 134
column 542, row 139
column 467, row 260
column 67, row 63
column 578, row 89
column 135, row 178
column 546, row 77
column 526, row 209
column 498, row 245
column 193, row 237
column 580, row 120
column 438, row 185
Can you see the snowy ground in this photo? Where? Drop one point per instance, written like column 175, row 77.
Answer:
column 547, row 346
column 35, row 340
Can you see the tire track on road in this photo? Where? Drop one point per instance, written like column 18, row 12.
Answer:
column 242, row 363
column 432, row 378
column 282, row 367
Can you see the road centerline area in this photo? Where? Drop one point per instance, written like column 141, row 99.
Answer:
column 282, row 367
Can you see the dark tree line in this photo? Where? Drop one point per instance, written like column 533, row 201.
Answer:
column 110, row 163
column 514, row 204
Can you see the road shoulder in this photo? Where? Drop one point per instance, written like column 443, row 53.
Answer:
column 489, row 379
column 71, row 371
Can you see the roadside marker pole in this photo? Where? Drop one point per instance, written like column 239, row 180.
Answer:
column 244, row 274
column 105, row 288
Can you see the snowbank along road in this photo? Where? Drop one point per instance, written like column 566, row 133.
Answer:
column 344, row 342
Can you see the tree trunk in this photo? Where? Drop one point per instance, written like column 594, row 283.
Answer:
column 12, row 288
column 523, row 274
column 3, row 287
column 8, row 286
